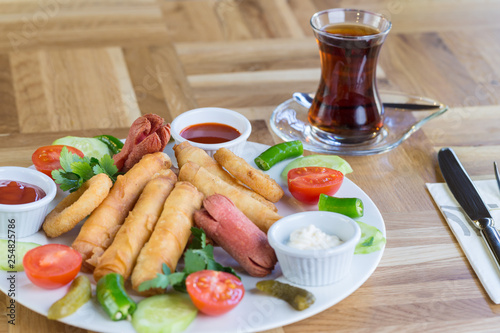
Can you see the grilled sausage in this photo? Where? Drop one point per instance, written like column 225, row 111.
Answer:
column 223, row 222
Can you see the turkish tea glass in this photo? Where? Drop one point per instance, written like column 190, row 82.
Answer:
column 347, row 106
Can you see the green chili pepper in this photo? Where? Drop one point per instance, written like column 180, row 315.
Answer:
column 78, row 294
column 352, row 207
column 114, row 144
column 278, row 153
column 299, row 298
column 113, row 298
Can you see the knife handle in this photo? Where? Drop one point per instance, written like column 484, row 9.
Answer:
column 492, row 238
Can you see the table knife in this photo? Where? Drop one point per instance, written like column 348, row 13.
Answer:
column 466, row 194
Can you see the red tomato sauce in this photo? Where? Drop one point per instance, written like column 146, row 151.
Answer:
column 210, row 133
column 17, row 193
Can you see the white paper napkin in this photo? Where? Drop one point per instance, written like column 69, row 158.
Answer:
column 468, row 236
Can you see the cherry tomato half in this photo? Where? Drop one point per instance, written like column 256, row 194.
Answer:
column 46, row 158
column 52, row 266
column 214, row 293
column 307, row 183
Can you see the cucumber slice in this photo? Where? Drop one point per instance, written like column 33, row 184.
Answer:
column 326, row 161
column 90, row 147
column 168, row 313
column 12, row 254
column 371, row 239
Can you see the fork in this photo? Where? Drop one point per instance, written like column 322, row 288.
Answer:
column 497, row 174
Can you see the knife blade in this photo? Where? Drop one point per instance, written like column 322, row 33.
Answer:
column 466, row 194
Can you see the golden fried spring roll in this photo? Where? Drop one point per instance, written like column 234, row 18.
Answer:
column 251, row 177
column 185, row 152
column 169, row 237
column 98, row 231
column 209, row 184
column 121, row 256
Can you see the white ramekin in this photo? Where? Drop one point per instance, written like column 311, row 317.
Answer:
column 213, row 115
column 26, row 219
column 315, row 267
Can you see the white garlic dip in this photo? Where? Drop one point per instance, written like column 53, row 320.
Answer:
column 312, row 238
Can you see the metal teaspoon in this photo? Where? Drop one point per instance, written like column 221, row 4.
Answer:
column 306, row 100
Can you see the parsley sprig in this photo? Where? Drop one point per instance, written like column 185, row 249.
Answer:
column 198, row 256
column 77, row 170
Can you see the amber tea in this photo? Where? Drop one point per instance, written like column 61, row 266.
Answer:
column 347, row 105
column 350, row 29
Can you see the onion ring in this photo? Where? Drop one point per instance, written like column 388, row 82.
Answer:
column 78, row 205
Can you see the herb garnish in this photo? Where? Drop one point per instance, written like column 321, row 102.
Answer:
column 77, row 170
column 198, row 256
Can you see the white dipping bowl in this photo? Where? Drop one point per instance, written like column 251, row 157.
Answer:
column 315, row 267
column 25, row 218
column 213, row 115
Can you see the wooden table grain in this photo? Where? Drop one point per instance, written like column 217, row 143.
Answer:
column 92, row 67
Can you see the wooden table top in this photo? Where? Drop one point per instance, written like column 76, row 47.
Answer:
column 92, row 67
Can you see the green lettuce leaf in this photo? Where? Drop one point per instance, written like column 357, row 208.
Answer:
column 371, row 240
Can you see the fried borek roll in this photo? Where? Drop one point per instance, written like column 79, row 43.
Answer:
column 185, row 152
column 209, row 184
column 251, row 177
column 77, row 206
column 121, row 256
column 98, row 231
column 169, row 237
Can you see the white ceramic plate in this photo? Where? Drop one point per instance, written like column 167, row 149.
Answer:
column 256, row 312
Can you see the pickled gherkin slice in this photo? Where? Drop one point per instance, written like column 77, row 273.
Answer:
column 300, row 299
column 78, row 294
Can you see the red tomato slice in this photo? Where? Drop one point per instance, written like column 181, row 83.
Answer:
column 214, row 293
column 46, row 158
column 52, row 266
column 307, row 183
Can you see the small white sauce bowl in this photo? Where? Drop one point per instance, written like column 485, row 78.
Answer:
column 25, row 219
column 213, row 115
column 315, row 267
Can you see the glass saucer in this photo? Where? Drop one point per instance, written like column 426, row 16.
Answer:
column 289, row 122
